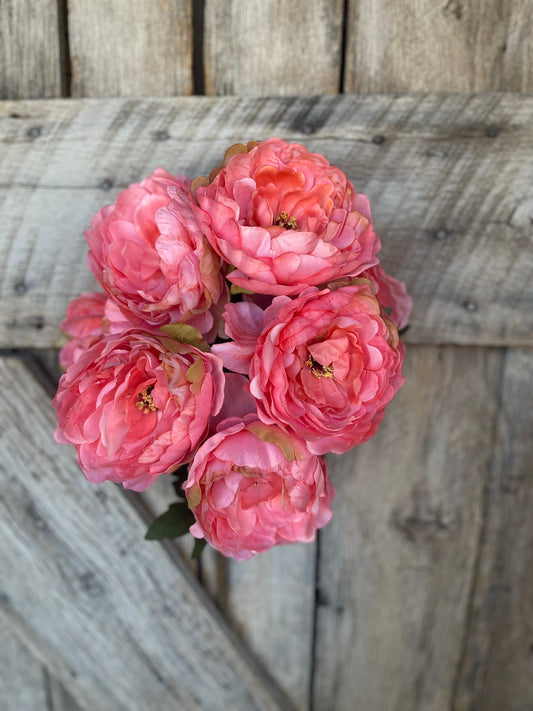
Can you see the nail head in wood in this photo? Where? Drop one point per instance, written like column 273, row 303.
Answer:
column 470, row 306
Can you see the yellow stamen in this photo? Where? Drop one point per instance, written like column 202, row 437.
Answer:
column 145, row 401
column 319, row 370
column 285, row 220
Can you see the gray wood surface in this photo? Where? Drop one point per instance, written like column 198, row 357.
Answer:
column 270, row 601
column 29, row 49
column 118, row 622
column 279, row 47
column 409, row 615
column 496, row 666
column 451, row 201
column 397, row 560
column 23, row 681
column 423, row 45
column 130, row 47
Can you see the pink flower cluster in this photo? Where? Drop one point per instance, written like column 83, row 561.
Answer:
column 245, row 329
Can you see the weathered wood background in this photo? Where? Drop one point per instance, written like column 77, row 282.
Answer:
column 418, row 596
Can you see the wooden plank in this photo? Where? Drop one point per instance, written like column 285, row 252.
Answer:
column 451, row 199
column 23, row 684
column 117, row 621
column 495, row 670
column 130, row 47
column 270, row 600
column 29, row 49
column 60, row 699
column 397, row 560
column 422, row 45
column 281, row 47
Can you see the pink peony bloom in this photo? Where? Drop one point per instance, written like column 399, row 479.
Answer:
column 324, row 365
column 149, row 254
column 286, row 219
column 391, row 294
column 89, row 317
column 135, row 405
column 252, row 486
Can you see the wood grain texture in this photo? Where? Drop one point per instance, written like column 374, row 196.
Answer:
column 449, row 45
column 23, row 685
column 450, row 182
column 397, row 559
column 270, row 601
column 496, row 668
column 121, row 625
column 29, row 50
column 280, row 47
column 130, row 47
column 60, row 699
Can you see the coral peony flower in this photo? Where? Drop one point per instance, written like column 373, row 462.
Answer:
column 323, row 366
column 391, row 294
column 286, row 219
column 135, row 405
column 251, row 486
column 89, row 317
column 149, row 254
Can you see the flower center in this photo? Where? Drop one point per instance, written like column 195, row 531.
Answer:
column 145, row 402
column 319, row 370
column 286, row 221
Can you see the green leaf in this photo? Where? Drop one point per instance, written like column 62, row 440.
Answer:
column 199, row 545
column 388, row 310
column 173, row 523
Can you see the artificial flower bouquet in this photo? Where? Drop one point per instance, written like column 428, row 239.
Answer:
column 246, row 328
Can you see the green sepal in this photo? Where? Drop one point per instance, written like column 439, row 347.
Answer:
column 234, row 290
column 274, row 436
column 185, row 333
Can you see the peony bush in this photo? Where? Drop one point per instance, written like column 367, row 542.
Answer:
column 246, row 328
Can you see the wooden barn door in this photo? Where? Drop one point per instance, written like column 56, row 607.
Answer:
column 418, row 595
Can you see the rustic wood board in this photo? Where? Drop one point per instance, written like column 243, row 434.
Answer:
column 117, row 621
column 449, row 178
column 397, row 560
column 270, row 600
column 423, row 45
column 23, row 683
column 280, row 47
column 29, row 49
column 496, row 667
column 130, row 47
